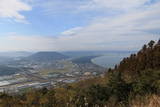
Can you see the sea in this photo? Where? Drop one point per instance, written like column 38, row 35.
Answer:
column 109, row 60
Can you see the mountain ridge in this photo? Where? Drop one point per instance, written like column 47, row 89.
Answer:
column 46, row 56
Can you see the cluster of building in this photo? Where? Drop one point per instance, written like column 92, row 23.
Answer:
column 31, row 78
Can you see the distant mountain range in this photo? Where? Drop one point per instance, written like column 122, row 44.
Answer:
column 93, row 53
column 84, row 60
column 15, row 54
column 46, row 56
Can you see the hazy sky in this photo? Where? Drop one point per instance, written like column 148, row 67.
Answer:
column 64, row 25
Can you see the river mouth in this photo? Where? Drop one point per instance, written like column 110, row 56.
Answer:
column 109, row 60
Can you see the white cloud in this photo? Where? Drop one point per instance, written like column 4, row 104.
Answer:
column 78, row 6
column 12, row 8
column 126, row 31
column 113, row 4
column 71, row 31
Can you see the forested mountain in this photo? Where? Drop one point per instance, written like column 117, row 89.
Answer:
column 83, row 60
column 46, row 56
column 135, row 82
column 147, row 58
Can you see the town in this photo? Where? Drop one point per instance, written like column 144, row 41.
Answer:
column 46, row 74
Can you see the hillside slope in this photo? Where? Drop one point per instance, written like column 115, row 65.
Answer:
column 133, row 83
column 46, row 56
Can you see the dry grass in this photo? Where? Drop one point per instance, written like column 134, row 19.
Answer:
column 148, row 101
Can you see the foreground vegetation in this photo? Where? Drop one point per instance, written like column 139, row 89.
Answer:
column 135, row 82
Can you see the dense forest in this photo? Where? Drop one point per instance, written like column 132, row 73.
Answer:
column 135, row 82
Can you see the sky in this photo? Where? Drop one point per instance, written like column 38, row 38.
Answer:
column 78, row 25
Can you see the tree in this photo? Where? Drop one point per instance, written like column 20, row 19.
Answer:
column 118, row 87
column 97, row 95
column 158, row 43
column 151, row 43
column 144, row 48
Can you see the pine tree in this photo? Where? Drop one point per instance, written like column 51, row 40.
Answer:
column 151, row 43
column 158, row 43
